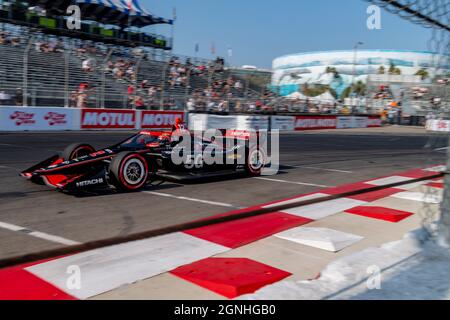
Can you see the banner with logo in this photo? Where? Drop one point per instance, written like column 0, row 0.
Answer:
column 374, row 122
column 348, row 122
column 108, row 119
column 252, row 122
column 199, row 121
column 38, row 119
column 159, row 119
column 315, row 122
column 438, row 125
column 282, row 123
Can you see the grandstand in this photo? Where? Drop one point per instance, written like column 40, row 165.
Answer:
column 45, row 65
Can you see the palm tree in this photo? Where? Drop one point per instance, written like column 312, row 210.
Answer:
column 423, row 73
column 381, row 70
column 332, row 70
column 358, row 88
column 393, row 70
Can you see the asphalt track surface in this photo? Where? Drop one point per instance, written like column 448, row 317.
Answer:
column 35, row 218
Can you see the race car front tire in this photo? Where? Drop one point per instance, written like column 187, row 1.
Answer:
column 77, row 150
column 128, row 171
column 255, row 161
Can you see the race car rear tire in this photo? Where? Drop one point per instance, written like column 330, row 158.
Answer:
column 128, row 171
column 255, row 161
column 77, row 150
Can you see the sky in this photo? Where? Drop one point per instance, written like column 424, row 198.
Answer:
column 258, row 31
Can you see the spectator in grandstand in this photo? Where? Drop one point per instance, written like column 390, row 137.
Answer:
column 4, row 98
column 190, row 105
column 2, row 38
column 19, row 97
column 109, row 66
column 83, row 87
column 144, row 84
column 73, row 99
column 223, row 107
column 139, row 103
column 87, row 65
column 38, row 46
column 151, row 91
column 130, row 72
column 82, row 100
column 238, row 85
column 236, row 107
column 15, row 41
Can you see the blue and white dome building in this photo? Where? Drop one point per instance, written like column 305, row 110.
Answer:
column 290, row 72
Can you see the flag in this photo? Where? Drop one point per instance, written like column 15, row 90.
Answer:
column 174, row 13
column 230, row 52
column 213, row 48
column 130, row 9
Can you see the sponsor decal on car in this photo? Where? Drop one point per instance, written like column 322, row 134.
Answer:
column 91, row 182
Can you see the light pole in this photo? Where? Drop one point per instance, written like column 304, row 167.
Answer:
column 355, row 53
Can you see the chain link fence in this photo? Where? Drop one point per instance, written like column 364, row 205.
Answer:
column 435, row 15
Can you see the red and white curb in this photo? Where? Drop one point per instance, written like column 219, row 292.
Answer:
column 188, row 254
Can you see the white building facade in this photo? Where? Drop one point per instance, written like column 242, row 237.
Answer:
column 293, row 71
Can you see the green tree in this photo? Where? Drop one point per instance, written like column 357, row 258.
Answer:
column 393, row 70
column 317, row 90
column 381, row 70
column 358, row 88
column 423, row 73
column 332, row 70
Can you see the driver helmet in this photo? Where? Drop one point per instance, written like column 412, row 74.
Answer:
column 179, row 125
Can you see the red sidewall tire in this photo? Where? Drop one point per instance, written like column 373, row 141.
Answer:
column 118, row 171
column 77, row 150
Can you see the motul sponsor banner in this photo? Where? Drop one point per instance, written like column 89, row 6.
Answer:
column 38, row 119
column 159, row 119
column 282, row 123
column 315, row 122
column 438, row 125
column 108, row 119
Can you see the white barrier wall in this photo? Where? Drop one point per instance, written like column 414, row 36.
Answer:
column 60, row 119
column 38, row 119
column 438, row 125
column 283, row 123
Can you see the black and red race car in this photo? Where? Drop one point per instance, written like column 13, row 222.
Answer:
column 148, row 156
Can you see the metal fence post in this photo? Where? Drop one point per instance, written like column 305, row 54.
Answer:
column 66, row 78
column 25, row 72
column 102, row 89
column 444, row 226
column 188, row 85
column 163, row 84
